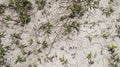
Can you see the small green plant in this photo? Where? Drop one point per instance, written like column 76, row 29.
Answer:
column 50, row 58
column 46, row 27
column 89, row 57
column 32, row 65
column 22, row 48
column 22, row 7
column 25, row 19
column 105, row 36
column 44, row 44
column 7, row 17
column 2, row 7
column 17, row 36
column 30, row 41
column 92, row 3
column 70, row 27
column 114, row 56
column 20, row 59
column 63, row 60
column 112, row 49
column 39, row 59
column 76, row 25
column 90, row 38
column 41, row 4
column 2, row 53
column 75, row 8
column 63, row 18
column 39, row 50
column 17, row 42
column 108, row 11
column 78, row 8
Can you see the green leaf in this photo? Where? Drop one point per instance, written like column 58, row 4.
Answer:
column 89, row 56
column 30, row 41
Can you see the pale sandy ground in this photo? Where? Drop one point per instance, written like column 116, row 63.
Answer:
column 78, row 40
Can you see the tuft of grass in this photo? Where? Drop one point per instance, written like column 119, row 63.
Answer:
column 41, row 4
column 75, row 8
column 89, row 57
column 30, row 41
column 17, row 36
column 17, row 42
column 90, row 38
column 7, row 17
column 25, row 19
column 50, row 58
column 2, row 53
column 32, row 65
column 2, row 7
column 114, row 56
column 78, row 8
column 2, row 50
column 22, row 7
column 76, row 25
column 70, row 27
column 112, row 49
column 46, row 27
column 63, row 18
column 63, row 60
column 108, row 11
column 20, row 59
column 39, row 59
column 44, row 44
column 105, row 36
column 22, row 48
